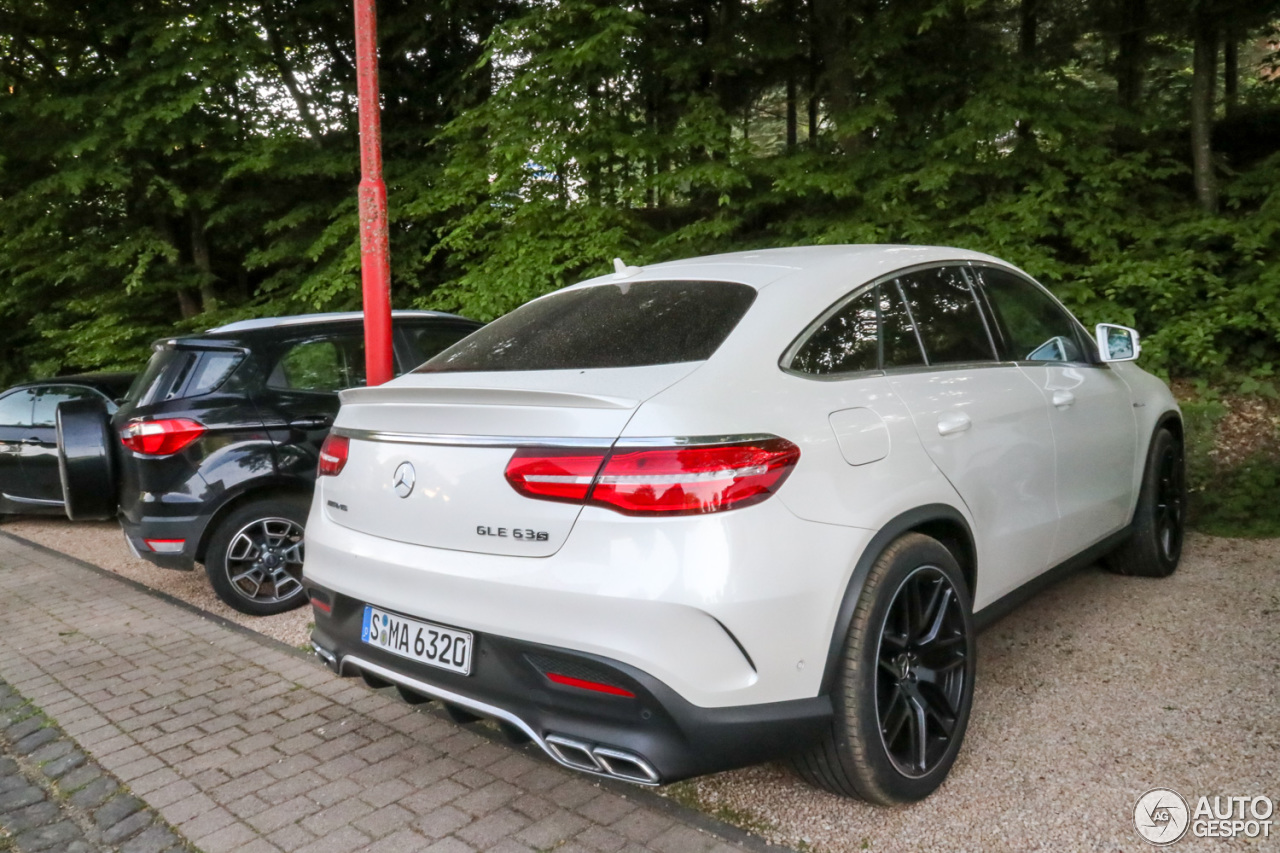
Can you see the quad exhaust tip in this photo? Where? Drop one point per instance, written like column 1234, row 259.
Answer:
column 571, row 752
column 607, row 761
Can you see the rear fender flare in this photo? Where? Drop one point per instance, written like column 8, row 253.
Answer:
column 911, row 520
column 252, row 490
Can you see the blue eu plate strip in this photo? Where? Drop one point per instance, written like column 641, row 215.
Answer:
column 364, row 628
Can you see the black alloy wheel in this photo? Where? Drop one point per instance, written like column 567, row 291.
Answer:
column 902, row 688
column 923, row 678
column 1154, row 546
column 1170, row 503
column 255, row 557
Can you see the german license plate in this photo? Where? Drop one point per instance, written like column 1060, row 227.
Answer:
column 425, row 642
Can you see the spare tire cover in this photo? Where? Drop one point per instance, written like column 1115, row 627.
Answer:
column 86, row 463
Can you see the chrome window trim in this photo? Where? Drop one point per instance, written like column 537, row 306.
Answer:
column 789, row 354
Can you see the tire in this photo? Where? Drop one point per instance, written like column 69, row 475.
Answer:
column 1155, row 545
column 254, row 560
column 882, row 698
column 86, row 461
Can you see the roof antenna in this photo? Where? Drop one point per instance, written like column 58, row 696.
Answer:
column 621, row 270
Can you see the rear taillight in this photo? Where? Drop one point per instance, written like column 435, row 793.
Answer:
column 333, row 455
column 660, row 480
column 162, row 437
column 554, row 475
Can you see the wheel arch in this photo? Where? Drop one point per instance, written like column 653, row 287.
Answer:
column 252, row 492
column 942, row 522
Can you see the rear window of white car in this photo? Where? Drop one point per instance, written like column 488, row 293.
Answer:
column 612, row 325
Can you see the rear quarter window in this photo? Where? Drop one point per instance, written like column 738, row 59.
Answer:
column 629, row 324
column 174, row 373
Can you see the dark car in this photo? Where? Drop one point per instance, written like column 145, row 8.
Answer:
column 211, row 457
column 28, row 441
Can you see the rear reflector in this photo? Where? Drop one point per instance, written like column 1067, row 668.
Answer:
column 165, row 546
column 161, row 437
column 582, row 684
column 333, row 455
column 681, row 480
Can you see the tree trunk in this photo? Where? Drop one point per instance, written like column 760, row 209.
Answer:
column 1131, row 57
column 1203, row 68
column 791, row 111
column 1231, row 69
column 200, row 257
column 835, row 22
column 1028, row 23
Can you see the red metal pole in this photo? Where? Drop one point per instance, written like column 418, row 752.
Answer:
column 375, row 258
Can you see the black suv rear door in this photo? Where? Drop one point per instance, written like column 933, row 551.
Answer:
column 299, row 394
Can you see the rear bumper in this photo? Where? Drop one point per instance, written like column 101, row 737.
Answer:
column 165, row 533
column 652, row 736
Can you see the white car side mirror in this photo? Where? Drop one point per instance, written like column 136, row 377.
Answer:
column 1117, row 343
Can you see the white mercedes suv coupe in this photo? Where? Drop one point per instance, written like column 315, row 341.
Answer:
column 695, row 515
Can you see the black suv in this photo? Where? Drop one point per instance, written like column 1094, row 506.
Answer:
column 211, row 458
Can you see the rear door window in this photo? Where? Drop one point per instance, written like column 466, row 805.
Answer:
column 945, row 311
column 630, row 324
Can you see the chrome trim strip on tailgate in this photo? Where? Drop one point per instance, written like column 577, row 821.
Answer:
column 445, row 440
column 448, row 440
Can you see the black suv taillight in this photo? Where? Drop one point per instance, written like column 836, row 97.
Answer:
column 160, row 437
column 333, row 455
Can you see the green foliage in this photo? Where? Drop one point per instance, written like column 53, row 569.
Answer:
column 167, row 166
column 1236, row 500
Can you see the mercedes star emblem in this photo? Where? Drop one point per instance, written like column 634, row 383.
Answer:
column 404, row 479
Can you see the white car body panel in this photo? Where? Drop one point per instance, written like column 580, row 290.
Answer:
column 1096, row 444
column 671, row 595
column 637, row 590
column 995, row 421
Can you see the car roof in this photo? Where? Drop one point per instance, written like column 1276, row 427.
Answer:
column 328, row 317
column 113, row 384
column 763, row 267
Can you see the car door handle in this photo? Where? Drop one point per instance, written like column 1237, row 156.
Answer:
column 1062, row 399
column 953, row 422
column 311, row 422
column 31, row 440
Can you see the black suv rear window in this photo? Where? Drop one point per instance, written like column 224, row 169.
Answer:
column 177, row 373
column 613, row 325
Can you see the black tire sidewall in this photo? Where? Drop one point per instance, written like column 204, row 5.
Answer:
column 292, row 507
column 882, row 781
column 86, row 463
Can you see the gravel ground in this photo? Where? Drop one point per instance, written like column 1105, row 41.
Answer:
column 1092, row 693
column 102, row 543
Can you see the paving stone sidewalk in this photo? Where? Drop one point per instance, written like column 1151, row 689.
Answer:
column 53, row 797
column 241, row 745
